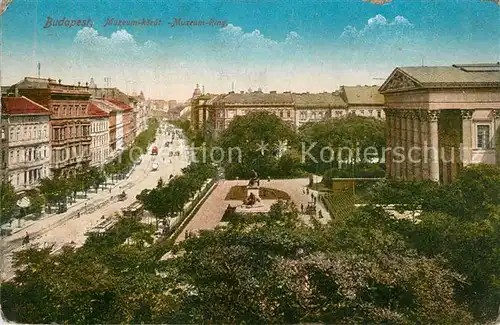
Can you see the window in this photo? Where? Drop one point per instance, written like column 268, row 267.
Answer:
column 379, row 114
column 39, row 134
column 483, row 137
column 288, row 114
column 12, row 156
column 281, row 114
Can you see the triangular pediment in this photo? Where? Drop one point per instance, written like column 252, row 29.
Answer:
column 399, row 81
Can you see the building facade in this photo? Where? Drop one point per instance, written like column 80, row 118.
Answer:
column 115, row 125
column 317, row 107
column 216, row 111
column 125, row 124
column 70, row 123
column 99, row 131
column 442, row 119
column 223, row 109
column 363, row 101
column 25, row 154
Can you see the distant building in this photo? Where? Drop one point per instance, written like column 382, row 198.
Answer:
column 99, row 131
column 363, row 101
column 115, row 124
column 70, row 123
column 444, row 118
column 217, row 111
column 128, row 121
column 224, row 108
column 317, row 107
column 25, row 142
column 141, row 111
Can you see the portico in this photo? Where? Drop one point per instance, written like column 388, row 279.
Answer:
column 440, row 119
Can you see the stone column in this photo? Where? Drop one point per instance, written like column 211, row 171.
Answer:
column 410, row 175
column 388, row 157
column 404, row 141
column 496, row 134
column 434, row 145
column 417, row 153
column 466, row 154
column 397, row 143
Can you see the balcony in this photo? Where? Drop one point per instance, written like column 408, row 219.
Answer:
column 28, row 164
column 27, row 143
column 27, row 187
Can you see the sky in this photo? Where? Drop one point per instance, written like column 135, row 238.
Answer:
column 280, row 45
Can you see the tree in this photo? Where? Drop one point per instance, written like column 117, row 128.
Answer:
column 459, row 222
column 37, row 202
column 342, row 140
column 8, row 199
column 246, row 134
column 55, row 190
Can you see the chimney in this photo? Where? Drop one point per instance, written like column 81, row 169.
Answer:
column 59, row 81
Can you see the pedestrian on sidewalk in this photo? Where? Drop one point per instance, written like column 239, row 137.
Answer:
column 301, row 207
column 307, row 190
column 312, row 196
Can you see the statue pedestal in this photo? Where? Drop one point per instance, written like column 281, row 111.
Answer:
column 253, row 190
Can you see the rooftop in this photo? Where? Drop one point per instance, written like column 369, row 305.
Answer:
column 258, row 98
column 362, row 95
column 316, row 100
column 22, row 106
column 95, row 111
column 122, row 106
column 457, row 75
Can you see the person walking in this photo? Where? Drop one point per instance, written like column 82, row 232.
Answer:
column 301, row 207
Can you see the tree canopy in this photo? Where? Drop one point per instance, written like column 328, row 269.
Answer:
column 260, row 137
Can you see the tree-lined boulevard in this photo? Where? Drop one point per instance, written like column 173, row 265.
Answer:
column 437, row 264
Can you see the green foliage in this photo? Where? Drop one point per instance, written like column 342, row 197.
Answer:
column 364, row 267
column 354, row 132
column 461, row 223
column 168, row 199
column 350, row 171
column 37, row 202
column 8, row 199
column 249, row 131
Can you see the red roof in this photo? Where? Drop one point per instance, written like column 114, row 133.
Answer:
column 22, row 106
column 95, row 111
column 121, row 105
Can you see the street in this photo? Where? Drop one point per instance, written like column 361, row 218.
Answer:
column 67, row 228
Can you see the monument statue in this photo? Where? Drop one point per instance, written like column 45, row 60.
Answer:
column 254, row 179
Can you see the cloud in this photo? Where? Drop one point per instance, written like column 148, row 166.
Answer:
column 235, row 36
column 121, row 39
column 376, row 24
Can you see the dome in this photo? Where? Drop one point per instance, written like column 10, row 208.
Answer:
column 197, row 91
